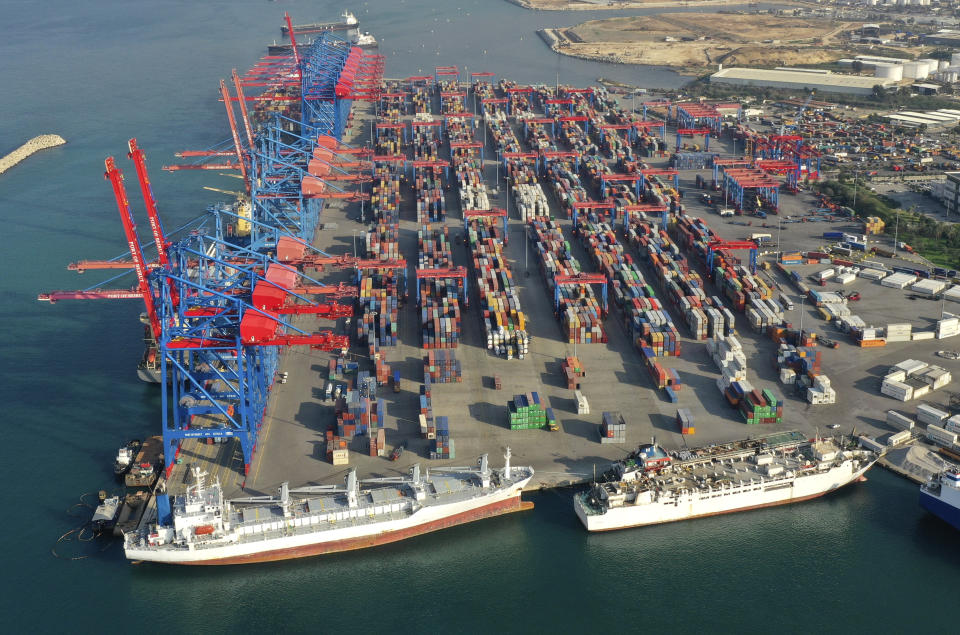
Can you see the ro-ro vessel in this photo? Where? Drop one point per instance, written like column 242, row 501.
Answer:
column 941, row 496
column 652, row 486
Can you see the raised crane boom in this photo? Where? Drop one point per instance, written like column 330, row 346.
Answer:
column 115, row 176
column 140, row 163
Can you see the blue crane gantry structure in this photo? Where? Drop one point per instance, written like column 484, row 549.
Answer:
column 220, row 304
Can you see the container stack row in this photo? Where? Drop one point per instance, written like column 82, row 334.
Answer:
column 467, row 166
column 913, row 379
column 705, row 315
column 643, row 315
column 727, row 354
column 504, row 322
column 385, row 195
column 663, row 378
column 379, row 302
column 453, row 101
column 421, row 97
column 738, row 284
column 389, row 141
column 613, row 428
column 357, row 415
column 562, row 175
column 579, row 310
column 442, row 367
column 526, row 412
column 382, row 242
column 440, row 317
column 428, row 425
column 763, row 314
column 428, row 181
column 442, row 446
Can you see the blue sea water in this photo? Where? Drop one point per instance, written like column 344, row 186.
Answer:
column 99, row 72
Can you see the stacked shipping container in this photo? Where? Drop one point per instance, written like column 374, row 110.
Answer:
column 504, row 322
column 643, row 316
column 579, row 311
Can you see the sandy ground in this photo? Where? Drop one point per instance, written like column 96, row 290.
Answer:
column 743, row 40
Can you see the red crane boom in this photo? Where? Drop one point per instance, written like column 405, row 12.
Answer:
column 115, row 176
column 140, row 164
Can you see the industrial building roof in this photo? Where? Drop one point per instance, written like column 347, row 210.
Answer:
column 828, row 81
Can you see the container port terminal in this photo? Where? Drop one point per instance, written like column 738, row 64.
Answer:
column 361, row 190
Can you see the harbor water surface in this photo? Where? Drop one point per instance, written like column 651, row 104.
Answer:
column 98, row 73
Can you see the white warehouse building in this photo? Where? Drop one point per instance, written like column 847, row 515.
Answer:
column 799, row 80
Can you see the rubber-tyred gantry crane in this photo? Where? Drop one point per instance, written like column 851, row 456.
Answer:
column 730, row 245
column 579, row 279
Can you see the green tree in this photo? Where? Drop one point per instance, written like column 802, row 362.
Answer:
column 857, row 66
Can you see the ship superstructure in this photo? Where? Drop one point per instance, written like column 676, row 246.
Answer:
column 202, row 527
column 941, row 496
column 646, row 489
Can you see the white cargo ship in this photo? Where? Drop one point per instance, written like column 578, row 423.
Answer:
column 652, row 486
column 201, row 527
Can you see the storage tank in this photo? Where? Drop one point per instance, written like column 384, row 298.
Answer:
column 912, row 70
column 888, row 71
column 955, row 59
column 942, row 65
column 932, row 65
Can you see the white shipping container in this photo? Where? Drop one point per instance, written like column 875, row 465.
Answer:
column 869, row 444
column 940, row 435
column 899, row 421
column 928, row 414
column 896, row 375
column 873, row 274
column 953, row 293
column 928, row 286
column 922, row 335
column 846, row 278
column 910, row 366
column 899, row 437
column 921, row 391
column 953, row 424
column 897, row 390
column 898, row 280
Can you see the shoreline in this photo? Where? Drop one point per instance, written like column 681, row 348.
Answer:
column 552, row 38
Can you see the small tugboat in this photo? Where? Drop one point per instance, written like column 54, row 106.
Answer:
column 125, row 455
column 105, row 516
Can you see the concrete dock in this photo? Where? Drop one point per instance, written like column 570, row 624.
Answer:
column 291, row 446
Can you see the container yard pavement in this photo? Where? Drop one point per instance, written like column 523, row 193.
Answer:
column 292, row 446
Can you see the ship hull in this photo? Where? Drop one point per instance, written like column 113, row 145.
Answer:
column 425, row 521
column 631, row 516
column 944, row 511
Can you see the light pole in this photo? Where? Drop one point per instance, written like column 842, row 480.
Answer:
column 778, row 237
column 802, row 300
column 896, row 232
column 354, row 243
column 497, row 180
column 856, row 179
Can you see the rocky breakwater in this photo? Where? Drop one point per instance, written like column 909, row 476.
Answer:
column 36, row 144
